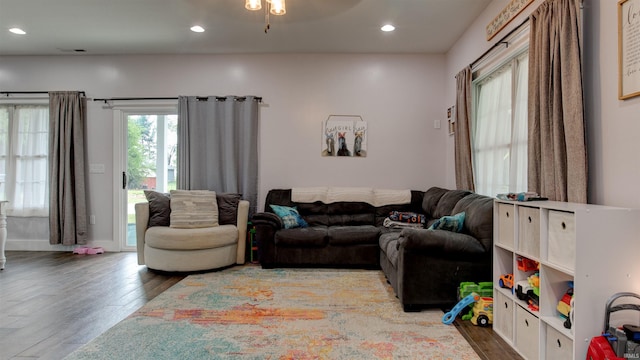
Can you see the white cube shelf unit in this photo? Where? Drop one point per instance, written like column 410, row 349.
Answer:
column 596, row 247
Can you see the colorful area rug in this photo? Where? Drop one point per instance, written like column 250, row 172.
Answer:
column 251, row 313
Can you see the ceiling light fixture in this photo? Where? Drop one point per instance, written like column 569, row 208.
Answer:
column 388, row 28
column 275, row 7
column 17, row 31
column 197, row 28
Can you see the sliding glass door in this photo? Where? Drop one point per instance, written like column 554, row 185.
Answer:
column 151, row 143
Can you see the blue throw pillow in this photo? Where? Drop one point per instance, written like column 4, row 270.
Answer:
column 290, row 216
column 450, row 223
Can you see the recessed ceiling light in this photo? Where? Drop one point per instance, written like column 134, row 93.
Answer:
column 388, row 28
column 197, row 28
column 17, row 31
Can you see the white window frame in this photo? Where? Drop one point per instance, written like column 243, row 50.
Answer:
column 13, row 102
column 515, row 47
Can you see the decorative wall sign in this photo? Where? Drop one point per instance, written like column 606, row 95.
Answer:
column 344, row 135
column 628, row 49
column 507, row 14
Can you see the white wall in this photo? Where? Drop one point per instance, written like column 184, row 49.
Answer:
column 613, row 125
column 399, row 96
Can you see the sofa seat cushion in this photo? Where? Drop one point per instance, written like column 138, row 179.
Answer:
column 313, row 236
column 392, row 253
column 168, row 238
column 387, row 239
column 353, row 235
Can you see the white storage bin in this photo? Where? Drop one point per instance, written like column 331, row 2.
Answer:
column 527, row 333
column 562, row 239
column 558, row 345
column 506, row 225
column 503, row 314
column 529, row 231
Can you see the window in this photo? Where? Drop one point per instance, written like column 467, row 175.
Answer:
column 24, row 143
column 499, row 129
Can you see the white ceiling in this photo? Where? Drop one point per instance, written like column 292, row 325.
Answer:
column 56, row 27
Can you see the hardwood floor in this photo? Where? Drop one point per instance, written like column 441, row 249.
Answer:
column 51, row 303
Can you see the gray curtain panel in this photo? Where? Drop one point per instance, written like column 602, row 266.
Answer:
column 557, row 141
column 67, row 203
column 462, row 135
column 218, row 145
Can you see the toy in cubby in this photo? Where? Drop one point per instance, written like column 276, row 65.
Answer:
column 506, row 281
column 526, row 265
column 528, row 290
column 566, row 304
column 534, row 295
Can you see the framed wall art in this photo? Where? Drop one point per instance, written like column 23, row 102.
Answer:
column 451, row 119
column 628, row 49
column 344, row 135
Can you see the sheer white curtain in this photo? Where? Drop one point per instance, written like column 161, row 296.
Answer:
column 492, row 134
column 24, row 160
column 519, row 143
column 500, row 130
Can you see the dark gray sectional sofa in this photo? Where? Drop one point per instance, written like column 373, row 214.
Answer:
column 340, row 234
column 423, row 266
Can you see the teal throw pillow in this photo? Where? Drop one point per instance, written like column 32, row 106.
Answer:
column 290, row 216
column 449, row 223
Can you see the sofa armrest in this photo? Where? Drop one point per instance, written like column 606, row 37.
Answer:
column 142, row 221
column 266, row 224
column 243, row 219
column 267, row 219
column 440, row 242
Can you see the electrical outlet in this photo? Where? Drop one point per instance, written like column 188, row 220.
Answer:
column 436, row 124
column 92, row 219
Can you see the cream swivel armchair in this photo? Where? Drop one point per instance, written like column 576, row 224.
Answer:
column 173, row 249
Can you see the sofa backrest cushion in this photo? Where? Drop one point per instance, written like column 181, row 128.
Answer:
column 479, row 218
column 278, row 197
column 430, row 201
column 319, row 213
column 342, row 212
column 382, row 212
column 448, row 201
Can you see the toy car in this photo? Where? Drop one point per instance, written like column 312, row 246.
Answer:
column 525, row 264
column 506, row 281
column 483, row 312
column 523, row 290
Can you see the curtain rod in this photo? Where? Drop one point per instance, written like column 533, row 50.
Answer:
column 219, row 98
column 30, row 92
column 500, row 42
